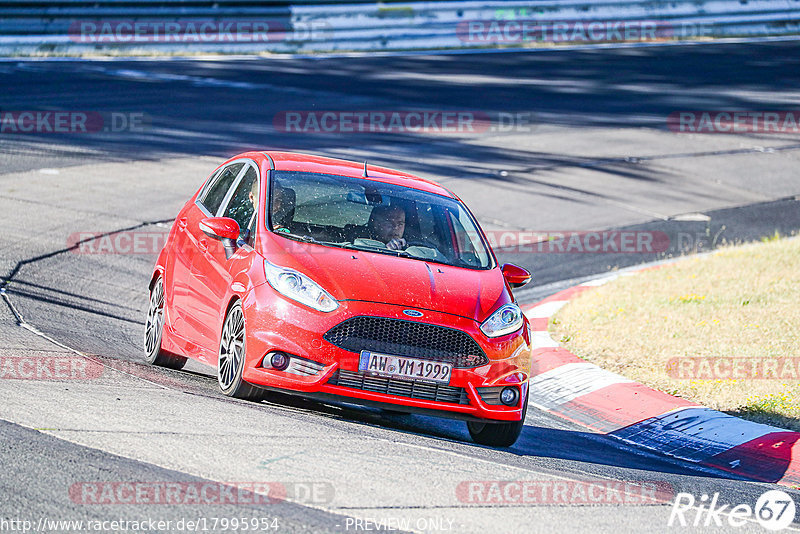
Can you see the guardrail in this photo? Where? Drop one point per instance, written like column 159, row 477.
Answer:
column 234, row 26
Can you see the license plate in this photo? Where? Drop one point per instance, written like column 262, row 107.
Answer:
column 401, row 367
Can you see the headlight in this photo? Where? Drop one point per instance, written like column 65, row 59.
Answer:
column 299, row 287
column 505, row 320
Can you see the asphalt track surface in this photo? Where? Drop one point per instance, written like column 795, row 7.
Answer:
column 595, row 154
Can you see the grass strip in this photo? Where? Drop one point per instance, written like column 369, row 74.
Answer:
column 722, row 329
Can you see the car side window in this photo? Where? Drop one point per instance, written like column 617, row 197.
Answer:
column 215, row 193
column 241, row 208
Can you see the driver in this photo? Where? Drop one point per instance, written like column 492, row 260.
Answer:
column 253, row 195
column 247, row 233
column 387, row 224
column 282, row 208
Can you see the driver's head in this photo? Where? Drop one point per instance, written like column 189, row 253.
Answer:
column 387, row 223
column 253, row 195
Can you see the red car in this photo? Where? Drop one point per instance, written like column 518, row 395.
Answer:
column 358, row 283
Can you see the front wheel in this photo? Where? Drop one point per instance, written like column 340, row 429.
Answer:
column 497, row 434
column 232, row 350
column 154, row 331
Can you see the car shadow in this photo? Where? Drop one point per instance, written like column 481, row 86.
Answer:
column 544, row 436
column 569, row 444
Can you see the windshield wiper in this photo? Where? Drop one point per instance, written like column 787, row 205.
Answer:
column 365, row 248
column 310, row 239
column 298, row 237
column 370, row 248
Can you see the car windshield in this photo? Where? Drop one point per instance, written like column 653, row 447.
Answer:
column 376, row 217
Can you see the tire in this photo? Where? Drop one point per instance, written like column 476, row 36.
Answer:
column 497, row 434
column 232, row 350
column 154, row 331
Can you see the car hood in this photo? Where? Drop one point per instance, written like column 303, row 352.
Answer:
column 374, row 277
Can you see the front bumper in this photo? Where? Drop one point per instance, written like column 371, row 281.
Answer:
column 275, row 323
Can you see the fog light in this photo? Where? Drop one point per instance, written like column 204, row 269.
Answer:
column 279, row 361
column 509, row 396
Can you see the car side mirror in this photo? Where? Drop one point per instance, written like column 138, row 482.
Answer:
column 222, row 229
column 515, row 276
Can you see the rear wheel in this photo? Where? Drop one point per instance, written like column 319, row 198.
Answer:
column 497, row 434
column 232, row 350
column 154, row 331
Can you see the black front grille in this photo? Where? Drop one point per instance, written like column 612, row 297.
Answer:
column 407, row 338
column 491, row 395
column 401, row 388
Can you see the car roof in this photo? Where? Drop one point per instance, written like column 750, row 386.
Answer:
column 293, row 161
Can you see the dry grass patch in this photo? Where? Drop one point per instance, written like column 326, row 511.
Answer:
column 708, row 329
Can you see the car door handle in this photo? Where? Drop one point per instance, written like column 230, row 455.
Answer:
column 203, row 246
column 182, row 222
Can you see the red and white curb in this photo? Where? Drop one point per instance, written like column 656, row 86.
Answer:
column 565, row 385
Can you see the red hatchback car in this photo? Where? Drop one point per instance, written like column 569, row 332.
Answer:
column 358, row 284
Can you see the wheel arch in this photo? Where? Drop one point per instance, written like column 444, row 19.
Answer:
column 158, row 272
column 231, row 302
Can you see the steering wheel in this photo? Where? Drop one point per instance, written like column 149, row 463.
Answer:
column 421, row 243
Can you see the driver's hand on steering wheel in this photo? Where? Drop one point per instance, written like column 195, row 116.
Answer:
column 396, row 244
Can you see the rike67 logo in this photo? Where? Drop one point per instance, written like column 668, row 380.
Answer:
column 774, row 510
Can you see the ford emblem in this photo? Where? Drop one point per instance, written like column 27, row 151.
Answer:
column 413, row 313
